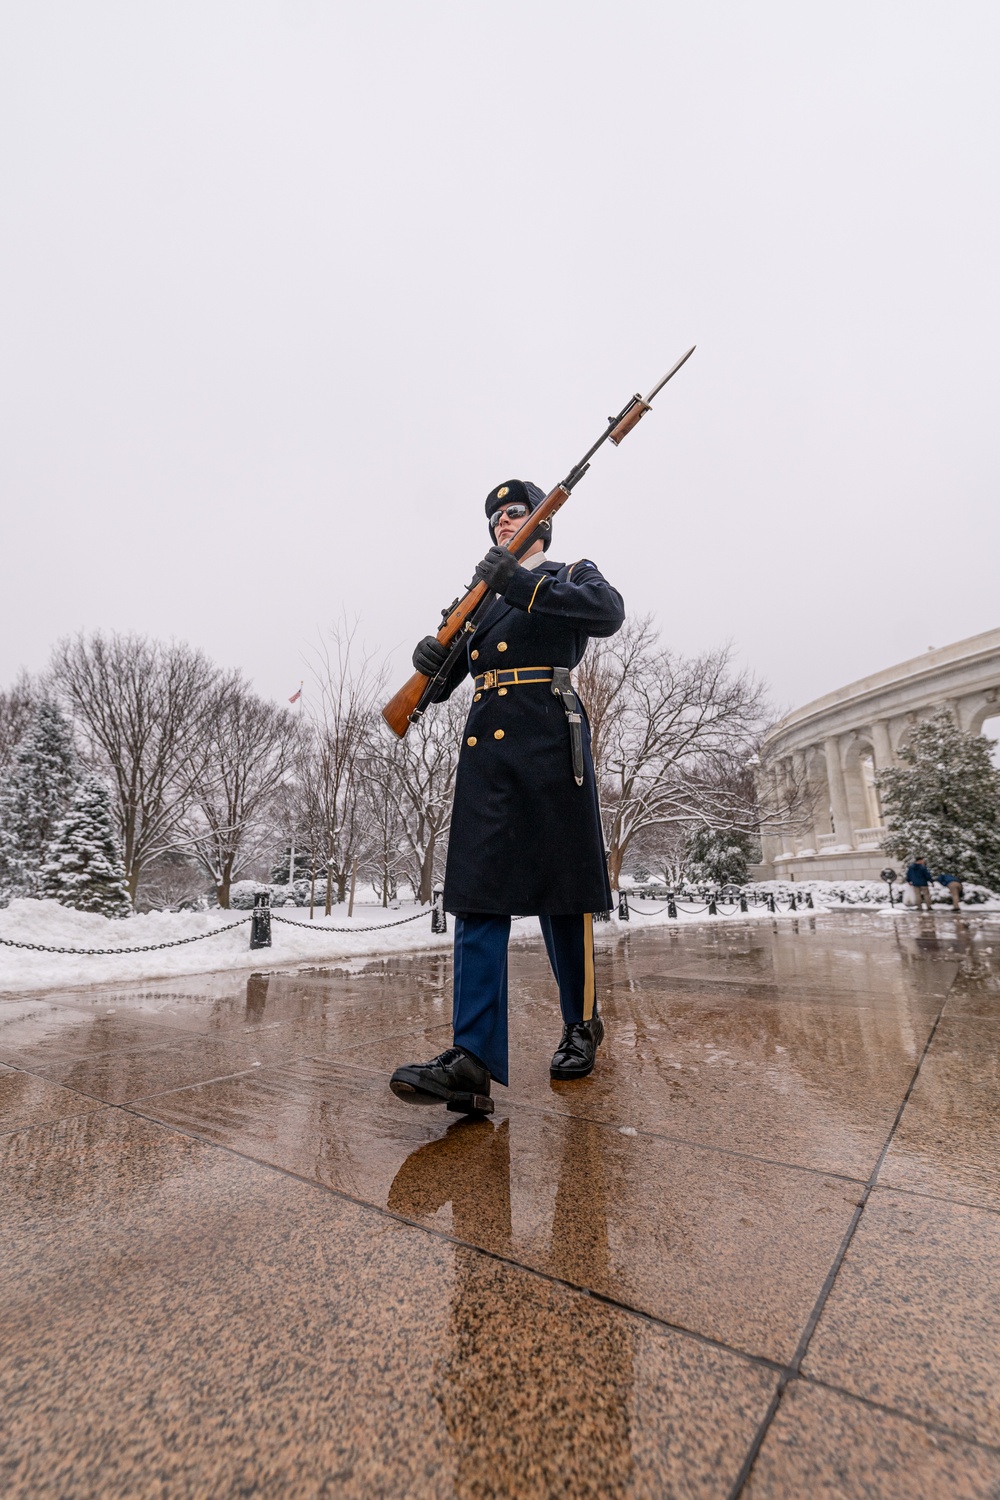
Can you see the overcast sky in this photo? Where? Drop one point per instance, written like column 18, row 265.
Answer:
column 287, row 287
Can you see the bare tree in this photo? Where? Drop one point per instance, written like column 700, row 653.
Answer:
column 419, row 774
column 252, row 747
column 666, row 733
column 334, row 806
column 174, row 879
column 17, row 704
column 385, row 861
column 145, row 711
column 665, row 849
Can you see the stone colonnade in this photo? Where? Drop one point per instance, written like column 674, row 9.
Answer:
column 824, row 758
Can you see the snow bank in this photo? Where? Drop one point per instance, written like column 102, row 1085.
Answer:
column 320, row 942
column 54, row 926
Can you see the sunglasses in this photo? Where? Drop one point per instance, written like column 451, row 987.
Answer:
column 515, row 512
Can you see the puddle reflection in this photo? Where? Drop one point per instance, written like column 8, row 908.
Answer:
column 497, row 1375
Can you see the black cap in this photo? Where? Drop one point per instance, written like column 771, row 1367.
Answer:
column 517, row 492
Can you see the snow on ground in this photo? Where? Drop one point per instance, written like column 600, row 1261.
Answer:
column 51, row 925
column 336, row 940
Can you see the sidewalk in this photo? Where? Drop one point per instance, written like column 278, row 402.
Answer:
column 756, row 1253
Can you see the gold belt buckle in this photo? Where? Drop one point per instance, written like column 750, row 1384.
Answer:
column 489, row 679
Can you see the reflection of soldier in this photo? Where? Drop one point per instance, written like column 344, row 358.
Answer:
column 517, row 1426
column 469, row 1167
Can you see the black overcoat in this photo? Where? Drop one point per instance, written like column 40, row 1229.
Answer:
column 524, row 837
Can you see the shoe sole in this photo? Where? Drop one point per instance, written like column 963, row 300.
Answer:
column 462, row 1104
column 566, row 1075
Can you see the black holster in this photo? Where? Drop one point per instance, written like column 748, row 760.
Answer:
column 562, row 687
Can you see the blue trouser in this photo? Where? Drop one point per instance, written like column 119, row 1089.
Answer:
column 480, row 1006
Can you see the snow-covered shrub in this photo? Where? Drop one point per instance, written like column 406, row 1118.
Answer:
column 242, row 892
column 864, row 892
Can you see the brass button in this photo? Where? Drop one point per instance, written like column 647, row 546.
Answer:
column 498, row 734
column 502, row 646
column 476, row 697
column 471, row 740
column 475, row 656
column 501, row 692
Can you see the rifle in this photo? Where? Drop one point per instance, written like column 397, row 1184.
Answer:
column 460, row 617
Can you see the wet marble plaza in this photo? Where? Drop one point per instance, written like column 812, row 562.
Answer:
column 756, row 1253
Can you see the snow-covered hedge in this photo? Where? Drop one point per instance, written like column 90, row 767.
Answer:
column 242, row 892
column 865, row 892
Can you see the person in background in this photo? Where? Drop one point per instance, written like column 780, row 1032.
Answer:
column 953, row 886
column 919, row 877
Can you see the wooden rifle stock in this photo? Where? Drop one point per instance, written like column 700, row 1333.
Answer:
column 412, row 697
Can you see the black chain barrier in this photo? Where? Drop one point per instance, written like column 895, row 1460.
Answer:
column 627, row 908
column 201, row 936
column 376, row 927
column 107, row 952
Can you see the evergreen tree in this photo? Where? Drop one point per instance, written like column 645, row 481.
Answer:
column 44, row 778
column 303, row 866
column 944, row 802
column 722, row 854
column 85, row 867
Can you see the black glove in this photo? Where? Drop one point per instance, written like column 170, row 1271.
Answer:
column 498, row 568
column 429, row 656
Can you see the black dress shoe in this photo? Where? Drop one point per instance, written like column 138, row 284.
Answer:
column 455, row 1079
column 575, row 1054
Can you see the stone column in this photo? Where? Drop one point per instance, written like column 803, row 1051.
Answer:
column 819, row 791
column 882, row 745
column 838, row 792
column 784, row 792
column 765, row 786
column 804, row 839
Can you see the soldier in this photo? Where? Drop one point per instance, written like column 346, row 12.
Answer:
column 526, row 831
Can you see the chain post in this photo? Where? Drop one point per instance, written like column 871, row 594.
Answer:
column 439, row 917
column 793, row 905
column 743, row 901
column 770, row 901
column 260, row 922
column 623, row 913
column 671, row 905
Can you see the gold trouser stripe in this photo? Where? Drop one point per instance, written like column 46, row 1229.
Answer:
column 537, row 587
column 588, row 966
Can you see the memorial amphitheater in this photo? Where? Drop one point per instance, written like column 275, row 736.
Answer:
column 827, row 754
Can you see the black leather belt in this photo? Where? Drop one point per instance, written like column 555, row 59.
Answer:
column 512, row 677
column 561, row 686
